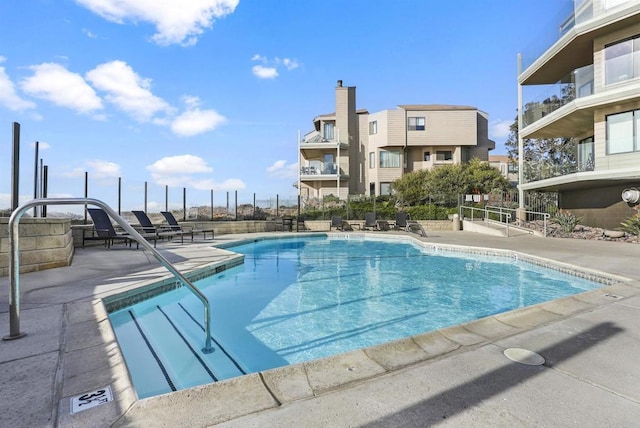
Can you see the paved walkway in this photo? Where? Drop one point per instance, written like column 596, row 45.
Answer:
column 454, row 377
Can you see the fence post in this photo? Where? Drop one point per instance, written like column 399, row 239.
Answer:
column 236, row 205
column 277, row 205
column 119, row 197
column 86, row 195
column 184, row 204
column 145, row 196
column 254, row 206
column 211, row 204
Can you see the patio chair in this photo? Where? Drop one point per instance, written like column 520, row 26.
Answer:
column 401, row 220
column 103, row 230
column 149, row 228
column 175, row 226
column 370, row 221
column 340, row 224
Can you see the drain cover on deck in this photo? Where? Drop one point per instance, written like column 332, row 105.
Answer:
column 524, row 356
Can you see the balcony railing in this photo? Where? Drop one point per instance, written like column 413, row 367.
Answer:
column 321, row 169
column 577, row 84
column 536, row 171
column 570, row 14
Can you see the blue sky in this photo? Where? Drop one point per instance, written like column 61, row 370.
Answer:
column 210, row 95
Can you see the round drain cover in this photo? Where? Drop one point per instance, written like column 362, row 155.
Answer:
column 524, row 356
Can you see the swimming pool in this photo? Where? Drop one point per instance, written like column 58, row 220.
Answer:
column 299, row 299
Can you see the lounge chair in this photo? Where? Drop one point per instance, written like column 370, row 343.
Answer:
column 370, row 221
column 175, row 226
column 401, row 220
column 403, row 223
column 160, row 232
column 103, row 230
column 340, row 224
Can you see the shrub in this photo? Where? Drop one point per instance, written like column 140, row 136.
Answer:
column 566, row 220
column 631, row 225
column 428, row 212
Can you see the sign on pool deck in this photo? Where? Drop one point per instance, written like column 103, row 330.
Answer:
column 91, row 399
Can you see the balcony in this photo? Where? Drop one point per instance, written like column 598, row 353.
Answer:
column 583, row 161
column 571, row 14
column 321, row 171
column 577, row 84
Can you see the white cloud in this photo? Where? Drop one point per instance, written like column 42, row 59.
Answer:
column 280, row 169
column 264, row 72
column 8, row 96
column 500, row 128
column 180, row 164
column 89, row 33
column 181, row 170
column 127, row 90
column 195, row 121
column 290, row 64
column 55, row 83
column 270, row 68
column 176, row 22
column 41, row 146
column 99, row 171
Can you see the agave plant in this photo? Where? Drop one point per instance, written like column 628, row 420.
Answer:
column 631, row 225
column 566, row 220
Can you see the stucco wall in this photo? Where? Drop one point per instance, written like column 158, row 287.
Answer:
column 45, row 243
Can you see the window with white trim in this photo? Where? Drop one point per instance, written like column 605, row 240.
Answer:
column 390, row 159
column 373, row 127
column 622, row 132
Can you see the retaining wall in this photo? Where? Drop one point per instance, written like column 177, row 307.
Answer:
column 45, row 243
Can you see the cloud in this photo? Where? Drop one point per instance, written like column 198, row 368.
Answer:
column 41, row 146
column 127, row 90
column 264, row 72
column 181, row 170
column 270, row 68
column 54, row 83
column 195, row 121
column 500, row 128
column 8, row 96
column 99, row 172
column 180, row 164
column 176, row 22
column 280, row 169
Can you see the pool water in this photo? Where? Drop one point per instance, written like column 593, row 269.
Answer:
column 299, row 299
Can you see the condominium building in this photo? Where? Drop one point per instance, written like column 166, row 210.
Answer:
column 354, row 152
column 585, row 85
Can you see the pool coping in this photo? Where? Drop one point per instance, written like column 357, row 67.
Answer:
column 273, row 388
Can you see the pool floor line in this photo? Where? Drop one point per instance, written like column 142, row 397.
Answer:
column 163, row 369
column 186, row 342
column 224, row 351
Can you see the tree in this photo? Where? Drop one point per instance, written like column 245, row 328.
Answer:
column 443, row 184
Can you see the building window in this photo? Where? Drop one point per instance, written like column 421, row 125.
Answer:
column 389, row 159
column 372, row 160
column 373, row 127
column 586, row 155
column 328, row 131
column 329, row 166
column 427, row 156
column 444, row 155
column 415, row 123
column 622, row 61
column 385, row 189
column 621, row 129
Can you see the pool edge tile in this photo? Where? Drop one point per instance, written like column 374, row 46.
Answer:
column 397, row 354
column 331, row 372
column 288, row 383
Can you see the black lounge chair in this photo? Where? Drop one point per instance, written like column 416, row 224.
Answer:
column 370, row 221
column 340, row 224
column 103, row 230
column 175, row 226
column 149, row 228
column 403, row 223
column 401, row 220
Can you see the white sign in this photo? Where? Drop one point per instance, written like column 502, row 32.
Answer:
column 91, row 399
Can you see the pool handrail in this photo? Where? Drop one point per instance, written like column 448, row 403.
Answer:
column 14, row 261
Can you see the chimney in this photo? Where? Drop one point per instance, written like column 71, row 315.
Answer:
column 339, row 83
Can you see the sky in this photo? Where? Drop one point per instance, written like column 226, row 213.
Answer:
column 210, row 95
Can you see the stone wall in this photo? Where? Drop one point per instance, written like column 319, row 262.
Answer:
column 45, row 243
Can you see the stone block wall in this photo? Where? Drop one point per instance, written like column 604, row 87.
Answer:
column 45, row 243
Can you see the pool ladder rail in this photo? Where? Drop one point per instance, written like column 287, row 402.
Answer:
column 14, row 262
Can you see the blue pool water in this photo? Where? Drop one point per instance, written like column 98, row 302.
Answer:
column 299, row 299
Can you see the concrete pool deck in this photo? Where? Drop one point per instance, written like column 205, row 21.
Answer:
column 457, row 376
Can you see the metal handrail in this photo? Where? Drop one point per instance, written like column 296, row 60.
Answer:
column 545, row 216
column 486, row 215
column 14, row 261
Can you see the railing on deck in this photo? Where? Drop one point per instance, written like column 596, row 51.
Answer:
column 14, row 261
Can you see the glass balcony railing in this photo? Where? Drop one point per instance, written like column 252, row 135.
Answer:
column 320, row 169
column 581, row 159
column 577, row 84
column 570, row 14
